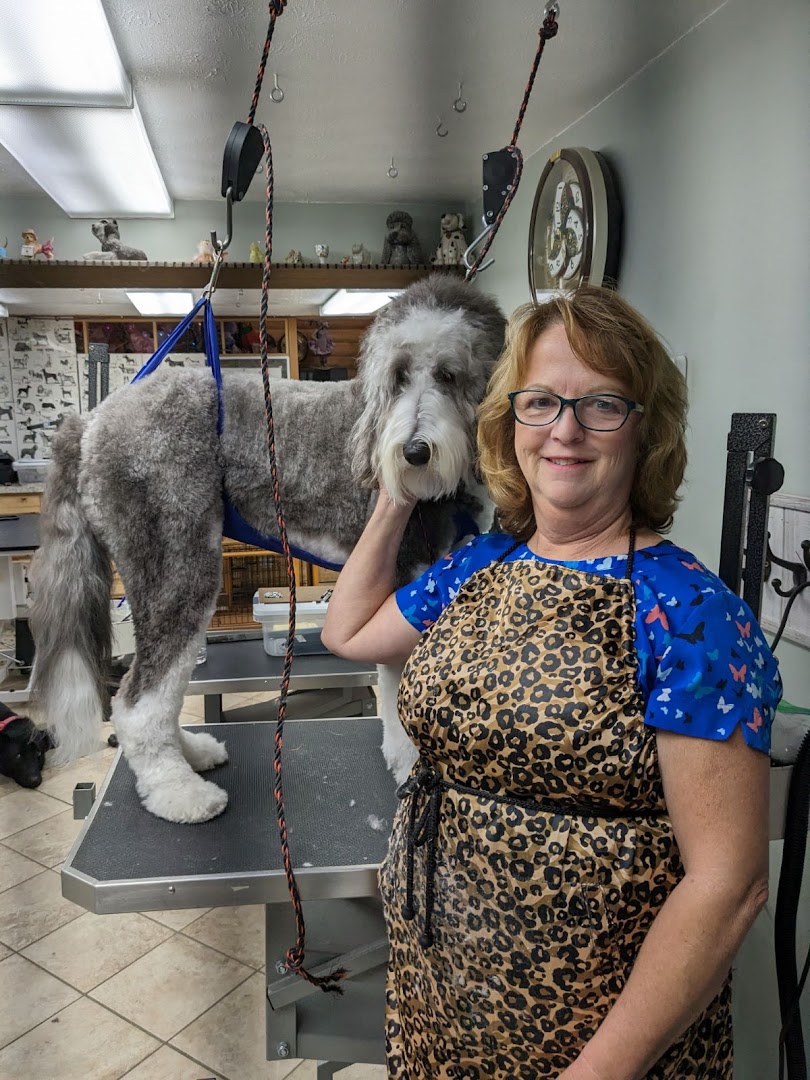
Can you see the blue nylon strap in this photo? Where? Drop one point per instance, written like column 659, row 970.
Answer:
column 170, row 342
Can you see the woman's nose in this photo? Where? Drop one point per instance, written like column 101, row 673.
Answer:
column 566, row 426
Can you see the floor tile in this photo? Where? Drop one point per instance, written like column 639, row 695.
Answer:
column 171, row 986
column 48, row 842
column 176, row 920
column 83, row 1042
column 29, row 996
column 168, row 1064
column 24, row 808
column 236, row 931
column 33, row 909
column 93, row 948
column 4, row 952
column 59, row 783
column 14, row 868
column 230, row 1036
column 7, row 786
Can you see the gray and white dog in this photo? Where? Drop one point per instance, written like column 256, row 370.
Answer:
column 141, row 481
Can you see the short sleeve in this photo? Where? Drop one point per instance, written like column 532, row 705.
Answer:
column 717, row 673
column 423, row 600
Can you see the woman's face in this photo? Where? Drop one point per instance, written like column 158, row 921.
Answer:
column 570, row 469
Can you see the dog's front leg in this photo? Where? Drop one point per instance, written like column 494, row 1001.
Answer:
column 398, row 750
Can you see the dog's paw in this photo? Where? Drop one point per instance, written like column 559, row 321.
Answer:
column 202, row 751
column 192, row 800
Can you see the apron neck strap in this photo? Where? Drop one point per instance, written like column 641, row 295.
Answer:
column 631, row 551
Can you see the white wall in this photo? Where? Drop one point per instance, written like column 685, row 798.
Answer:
column 710, row 145
column 295, row 225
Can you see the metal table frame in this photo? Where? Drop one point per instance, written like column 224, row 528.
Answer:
column 345, row 925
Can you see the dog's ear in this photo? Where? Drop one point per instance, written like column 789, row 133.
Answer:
column 461, row 221
column 42, row 740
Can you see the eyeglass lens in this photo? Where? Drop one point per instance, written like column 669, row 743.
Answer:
column 599, row 412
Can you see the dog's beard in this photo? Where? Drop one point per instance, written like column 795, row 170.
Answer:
column 434, row 420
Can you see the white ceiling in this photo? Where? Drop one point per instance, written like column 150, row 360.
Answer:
column 368, row 79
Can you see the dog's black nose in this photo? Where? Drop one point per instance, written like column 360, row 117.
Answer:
column 417, row 452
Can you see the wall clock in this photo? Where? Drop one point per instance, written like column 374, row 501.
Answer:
column 575, row 229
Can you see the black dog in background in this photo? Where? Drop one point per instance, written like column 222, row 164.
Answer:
column 22, row 748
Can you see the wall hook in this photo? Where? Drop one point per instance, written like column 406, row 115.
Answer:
column 460, row 104
column 393, row 171
column 441, row 133
column 277, row 94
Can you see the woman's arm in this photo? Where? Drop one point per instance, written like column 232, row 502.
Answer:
column 717, row 797
column 363, row 621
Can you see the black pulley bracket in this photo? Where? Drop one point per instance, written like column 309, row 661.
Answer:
column 500, row 171
column 242, row 157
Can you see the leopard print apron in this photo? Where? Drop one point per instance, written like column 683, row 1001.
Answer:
column 532, row 848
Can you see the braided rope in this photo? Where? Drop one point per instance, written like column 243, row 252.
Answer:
column 275, row 8
column 295, row 955
column 547, row 31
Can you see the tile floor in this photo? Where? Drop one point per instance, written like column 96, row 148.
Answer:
column 161, row 996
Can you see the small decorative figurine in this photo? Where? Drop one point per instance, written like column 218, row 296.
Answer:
column 321, row 342
column 401, row 246
column 106, row 231
column 205, row 253
column 359, row 255
column 322, row 251
column 293, row 258
column 256, row 254
column 32, row 249
column 453, row 244
column 345, row 260
column 4, row 249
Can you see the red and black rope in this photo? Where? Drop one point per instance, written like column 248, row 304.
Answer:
column 295, row 955
column 547, row 31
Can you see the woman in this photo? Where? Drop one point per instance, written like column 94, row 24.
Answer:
column 582, row 845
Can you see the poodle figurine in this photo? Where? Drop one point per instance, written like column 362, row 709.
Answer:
column 294, row 258
column 106, row 231
column 453, row 244
column 359, row 255
column 401, row 246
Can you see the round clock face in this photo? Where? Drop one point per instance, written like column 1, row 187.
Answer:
column 574, row 232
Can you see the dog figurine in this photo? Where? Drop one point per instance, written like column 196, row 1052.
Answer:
column 106, row 231
column 145, row 472
column 32, row 249
column 401, row 246
column 22, row 748
column 293, row 258
column 359, row 255
column 452, row 245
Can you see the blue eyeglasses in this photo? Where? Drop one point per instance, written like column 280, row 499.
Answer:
column 596, row 412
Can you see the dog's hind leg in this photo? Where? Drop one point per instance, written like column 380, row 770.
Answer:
column 170, row 612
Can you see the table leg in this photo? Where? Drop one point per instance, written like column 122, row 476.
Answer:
column 212, row 704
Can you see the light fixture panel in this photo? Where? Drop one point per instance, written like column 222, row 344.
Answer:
column 162, row 303
column 60, row 52
column 358, row 301
column 92, row 162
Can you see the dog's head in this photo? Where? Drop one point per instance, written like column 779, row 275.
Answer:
column 22, row 750
column 424, row 366
column 452, row 222
column 104, row 228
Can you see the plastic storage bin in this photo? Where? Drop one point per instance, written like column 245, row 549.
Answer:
column 32, row 470
column 271, row 608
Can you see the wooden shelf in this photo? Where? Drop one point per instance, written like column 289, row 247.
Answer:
column 64, row 274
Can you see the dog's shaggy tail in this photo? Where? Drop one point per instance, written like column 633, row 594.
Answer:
column 71, row 577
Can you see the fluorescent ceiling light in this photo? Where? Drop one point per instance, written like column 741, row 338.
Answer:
column 358, row 301
column 162, row 303
column 3, row 311
column 60, row 52
column 92, row 162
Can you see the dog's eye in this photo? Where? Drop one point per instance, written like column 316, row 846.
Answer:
column 400, row 376
column 445, row 376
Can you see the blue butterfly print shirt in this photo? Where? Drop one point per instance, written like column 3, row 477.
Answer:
column 704, row 667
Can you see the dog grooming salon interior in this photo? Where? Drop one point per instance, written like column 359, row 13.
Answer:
column 321, row 324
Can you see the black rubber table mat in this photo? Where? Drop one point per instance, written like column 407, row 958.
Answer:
column 229, row 661
column 340, row 802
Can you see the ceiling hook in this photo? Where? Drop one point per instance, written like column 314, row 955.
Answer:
column 460, row 104
column 393, row 171
column 552, row 8
column 439, row 132
column 277, row 94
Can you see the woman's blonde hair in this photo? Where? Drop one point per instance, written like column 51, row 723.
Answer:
column 612, row 338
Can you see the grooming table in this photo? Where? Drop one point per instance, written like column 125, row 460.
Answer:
column 340, row 803
column 243, row 667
